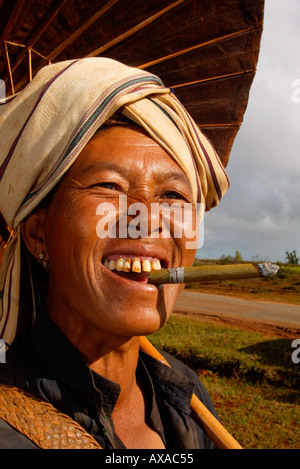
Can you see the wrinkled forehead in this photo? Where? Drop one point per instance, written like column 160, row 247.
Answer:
column 126, row 149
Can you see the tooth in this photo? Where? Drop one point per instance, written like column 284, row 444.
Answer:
column 155, row 264
column 111, row 264
column 127, row 265
column 120, row 264
column 146, row 266
column 136, row 265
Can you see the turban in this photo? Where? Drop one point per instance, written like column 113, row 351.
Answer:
column 44, row 128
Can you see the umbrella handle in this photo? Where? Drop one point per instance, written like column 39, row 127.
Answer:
column 214, row 429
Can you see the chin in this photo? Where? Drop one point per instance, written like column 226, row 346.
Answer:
column 144, row 323
column 140, row 321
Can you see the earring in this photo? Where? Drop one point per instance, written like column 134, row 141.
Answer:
column 45, row 264
column 41, row 255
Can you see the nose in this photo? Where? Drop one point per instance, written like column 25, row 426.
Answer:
column 145, row 220
column 141, row 219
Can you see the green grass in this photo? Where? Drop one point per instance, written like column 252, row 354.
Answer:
column 251, row 378
column 259, row 417
column 292, row 268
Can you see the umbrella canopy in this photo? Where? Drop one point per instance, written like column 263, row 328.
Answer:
column 206, row 50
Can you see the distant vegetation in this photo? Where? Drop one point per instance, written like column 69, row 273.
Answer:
column 292, row 257
column 227, row 258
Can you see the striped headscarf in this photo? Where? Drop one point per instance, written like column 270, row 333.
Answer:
column 44, row 128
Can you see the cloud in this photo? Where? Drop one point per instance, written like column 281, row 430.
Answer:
column 260, row 215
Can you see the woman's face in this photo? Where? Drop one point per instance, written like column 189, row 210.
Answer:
column 83, row 292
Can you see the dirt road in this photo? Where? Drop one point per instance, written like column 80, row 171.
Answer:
column 269, row 317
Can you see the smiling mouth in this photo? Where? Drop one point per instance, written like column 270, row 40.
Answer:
column 131, row 266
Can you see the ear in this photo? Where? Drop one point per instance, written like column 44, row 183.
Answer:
column 33, row 232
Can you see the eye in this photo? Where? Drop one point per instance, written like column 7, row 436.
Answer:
column 173, row 195
column 107, row 185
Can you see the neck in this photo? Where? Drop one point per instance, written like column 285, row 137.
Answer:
column 118, row 362
column 113, row 357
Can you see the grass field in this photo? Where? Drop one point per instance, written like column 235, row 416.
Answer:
column 252, row 380
column 284, row 287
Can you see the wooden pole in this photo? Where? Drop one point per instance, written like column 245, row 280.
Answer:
column 9, row 68
column 213, row 428
column 29, row 66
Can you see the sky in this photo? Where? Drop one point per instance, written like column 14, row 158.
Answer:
column 260, row 215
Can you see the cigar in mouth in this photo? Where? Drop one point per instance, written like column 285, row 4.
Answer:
column 211, row 273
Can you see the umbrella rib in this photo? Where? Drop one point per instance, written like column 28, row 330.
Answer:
column 9, row 68
column 37, row 33
column 212, row 79
column 134, row 30
column 81, row 29
column 11, row 21
column 202, row 45
column 75, row 35
column 212, row 126
column 5, row 34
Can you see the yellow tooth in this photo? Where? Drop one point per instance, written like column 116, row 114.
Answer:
column 106, row 262
column 120, row 264
column 146, row 266
column 127, row 265
column 155, row 264
column 111, row 264
column 136, row 265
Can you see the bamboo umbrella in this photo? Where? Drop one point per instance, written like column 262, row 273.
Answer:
column 206, row 50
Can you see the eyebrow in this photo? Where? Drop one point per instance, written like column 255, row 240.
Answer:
column 106, row 165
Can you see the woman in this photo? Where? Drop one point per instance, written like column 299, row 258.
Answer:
column 74, row 303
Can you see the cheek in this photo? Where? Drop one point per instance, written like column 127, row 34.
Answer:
column 190, row 240
column 189, row 257
column 70, row 231
column 185, row 229
column 187, row 249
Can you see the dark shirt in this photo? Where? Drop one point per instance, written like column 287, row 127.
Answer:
column 46, row 364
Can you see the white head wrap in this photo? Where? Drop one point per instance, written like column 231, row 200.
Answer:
column 44, row 128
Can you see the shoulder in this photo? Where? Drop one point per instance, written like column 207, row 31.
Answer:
column 10, row 438
column 179, row 365
column 199, row 389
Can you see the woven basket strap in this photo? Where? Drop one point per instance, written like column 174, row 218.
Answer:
column 41, row 422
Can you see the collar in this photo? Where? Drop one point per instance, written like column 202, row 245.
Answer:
column 63, row 359
column 169, row 384
column 68, row 366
